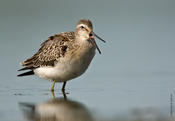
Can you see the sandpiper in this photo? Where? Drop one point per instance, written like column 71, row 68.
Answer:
column 64, row 56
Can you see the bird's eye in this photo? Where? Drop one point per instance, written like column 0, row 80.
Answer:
column 82, row 27
column 90, row 34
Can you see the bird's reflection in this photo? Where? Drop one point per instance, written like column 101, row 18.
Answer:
column 56, row 109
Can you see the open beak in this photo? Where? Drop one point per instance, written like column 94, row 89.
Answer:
column 92, row 35
column 98, row 37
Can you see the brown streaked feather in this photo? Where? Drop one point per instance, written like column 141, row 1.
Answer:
column 51, row 50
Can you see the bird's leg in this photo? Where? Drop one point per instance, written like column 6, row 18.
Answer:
column 63, row 87
column 64, row 95
column 53, row 85
column 53, row 95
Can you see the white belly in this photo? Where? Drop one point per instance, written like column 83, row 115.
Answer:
column 68, row 68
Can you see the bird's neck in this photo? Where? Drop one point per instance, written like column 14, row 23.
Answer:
column 82, row 40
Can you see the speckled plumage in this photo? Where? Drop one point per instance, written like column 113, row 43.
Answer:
column 64, row 56
column 52, row 50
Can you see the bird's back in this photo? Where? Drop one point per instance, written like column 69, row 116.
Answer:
column 54, row 48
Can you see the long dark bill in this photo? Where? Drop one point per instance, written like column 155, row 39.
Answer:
column 95, row 44
column 98, row 37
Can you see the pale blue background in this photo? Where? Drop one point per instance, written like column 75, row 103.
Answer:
column 136, row 68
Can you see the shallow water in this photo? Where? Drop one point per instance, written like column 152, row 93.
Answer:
column 103, row 97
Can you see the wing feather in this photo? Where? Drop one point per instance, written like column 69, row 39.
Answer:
column 51, row 50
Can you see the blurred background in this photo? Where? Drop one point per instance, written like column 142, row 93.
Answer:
column 135, row 71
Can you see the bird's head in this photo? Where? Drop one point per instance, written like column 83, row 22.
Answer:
column 84, row 30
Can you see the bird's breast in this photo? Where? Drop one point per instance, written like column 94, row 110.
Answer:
column 81, row 59
column 77, row 63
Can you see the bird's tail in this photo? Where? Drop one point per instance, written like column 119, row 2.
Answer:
column 26, row 73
